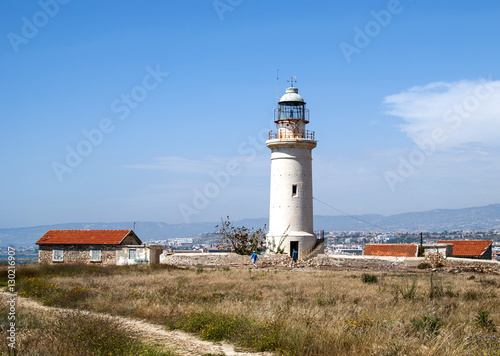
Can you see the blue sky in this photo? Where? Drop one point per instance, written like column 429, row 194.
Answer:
column 158, row 110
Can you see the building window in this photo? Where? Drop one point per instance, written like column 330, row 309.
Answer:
column 57, row 255
column 294, row 190
column 95, row 255
column 132, row 254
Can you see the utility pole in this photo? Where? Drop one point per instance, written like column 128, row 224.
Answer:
column 421, row 242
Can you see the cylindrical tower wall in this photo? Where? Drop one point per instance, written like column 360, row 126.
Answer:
column 291, row 191
column 291, row 203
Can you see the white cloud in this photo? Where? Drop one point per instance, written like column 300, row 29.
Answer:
column 448, row 115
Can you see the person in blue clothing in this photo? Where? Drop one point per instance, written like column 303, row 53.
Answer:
column 254, row 259
column 295, row 256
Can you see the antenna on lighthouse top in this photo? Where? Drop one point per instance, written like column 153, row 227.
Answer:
column 277, row 85
column 292, row 80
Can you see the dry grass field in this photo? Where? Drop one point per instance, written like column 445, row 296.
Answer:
column 290, row 312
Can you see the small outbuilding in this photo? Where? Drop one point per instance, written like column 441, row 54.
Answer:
column 393, row 250
column 443, row 249
column 479, row 249
column 105, row 247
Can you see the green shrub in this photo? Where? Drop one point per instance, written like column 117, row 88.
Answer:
column 262, row 336
column 369, row 278
column 451, row 293
column 407, row 291
column 99, row 336
column 484, row 321
column 70, row 298
column 35, row 287
column 325, row 301
column 424, row 265
column 488, row 282
column 472, row 295
column 427, row 324
column 49, row 294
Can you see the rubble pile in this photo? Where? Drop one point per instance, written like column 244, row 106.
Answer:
column 436, row 259
column 472, row 267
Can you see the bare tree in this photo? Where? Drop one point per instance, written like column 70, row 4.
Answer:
column 241, row 240
column 278, row 248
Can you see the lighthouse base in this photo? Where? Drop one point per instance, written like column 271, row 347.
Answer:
column 301, row 241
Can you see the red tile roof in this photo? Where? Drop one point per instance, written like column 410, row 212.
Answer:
column 395, row 250
column 85, row 237
column 468, row 248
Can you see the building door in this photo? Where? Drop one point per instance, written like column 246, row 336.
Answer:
column 294, row 245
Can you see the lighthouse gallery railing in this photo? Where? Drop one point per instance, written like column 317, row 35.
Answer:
column 279, row 134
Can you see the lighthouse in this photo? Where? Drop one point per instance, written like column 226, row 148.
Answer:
column 291, row 198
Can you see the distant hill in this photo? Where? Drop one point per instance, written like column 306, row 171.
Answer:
column 27, row 236
column 438, row 220
column 474, row 219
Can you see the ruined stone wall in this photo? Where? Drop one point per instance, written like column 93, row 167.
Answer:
column 271, row 260
column 220, row 259
column 363, row 262
column 456, row 265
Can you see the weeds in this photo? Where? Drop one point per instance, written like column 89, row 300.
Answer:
column 50, row 294
column 427, row 324
column 472, row 294
column 436, row 289
column 424, row 265
column 301, row 313
column 233, row 328
column 485, row 282
column 407, row 291
column 78, row 334
column 325, row 301
column 483, row 320
column 369, row 278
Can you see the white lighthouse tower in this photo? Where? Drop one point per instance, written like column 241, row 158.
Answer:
column 291, row 205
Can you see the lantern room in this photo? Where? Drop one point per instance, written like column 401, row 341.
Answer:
column 291, row 107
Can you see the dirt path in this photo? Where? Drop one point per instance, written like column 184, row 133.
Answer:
column 183, row 344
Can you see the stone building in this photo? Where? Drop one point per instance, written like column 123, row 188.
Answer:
column 104, row 247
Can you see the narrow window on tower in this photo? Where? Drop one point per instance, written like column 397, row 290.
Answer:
column 294, row 190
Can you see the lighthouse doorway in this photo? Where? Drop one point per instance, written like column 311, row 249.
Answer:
column 294, row 245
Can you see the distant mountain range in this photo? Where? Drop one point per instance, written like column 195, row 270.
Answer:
column 474, row 219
